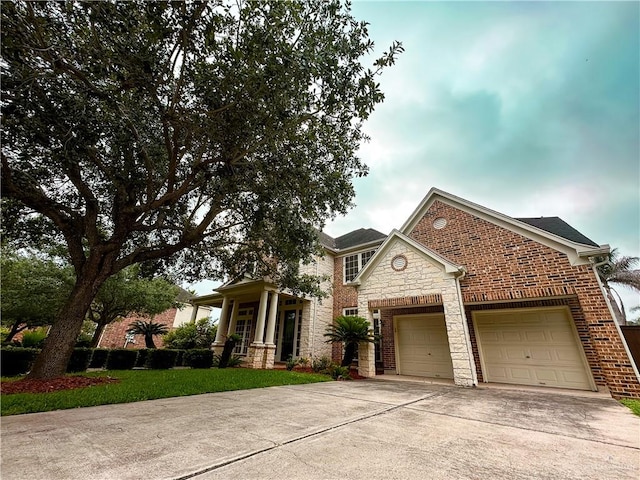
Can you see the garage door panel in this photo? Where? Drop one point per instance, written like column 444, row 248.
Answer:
column 532, row 348
column 423, row 346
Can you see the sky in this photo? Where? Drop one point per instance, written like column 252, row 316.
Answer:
column 528, row 108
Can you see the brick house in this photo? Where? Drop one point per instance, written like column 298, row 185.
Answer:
column 459, row 292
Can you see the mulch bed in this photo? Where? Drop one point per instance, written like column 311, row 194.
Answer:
column 353, row 373
column 53, row 385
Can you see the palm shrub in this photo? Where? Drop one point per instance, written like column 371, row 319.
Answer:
column 34, row 338
column 350, row 331
column 149, row 329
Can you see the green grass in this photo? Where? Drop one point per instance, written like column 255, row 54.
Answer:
column 138, row 385
column 633, row 404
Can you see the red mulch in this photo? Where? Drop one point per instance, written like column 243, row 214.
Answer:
column 53, row 385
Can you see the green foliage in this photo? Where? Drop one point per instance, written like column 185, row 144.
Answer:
column 149, row 330
column 138, row 385
column 321, row 365
column 233, row 361
column 33, row 291
column 198, row 358
column 127, row 293
column 199, row 334
column 80, row 359
column 350, row 331
column 34, row 338
column 187, row 128
column 180, row 357
column 633, row 404
column 338, row 372
column 121, row 359
column 291, row 362
column 161, row 358
column 141, row 359
column 98, row 357
column 16, row 361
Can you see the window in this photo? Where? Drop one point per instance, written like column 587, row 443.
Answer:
column 354, row 263
column 350, row 312
column 243, row 328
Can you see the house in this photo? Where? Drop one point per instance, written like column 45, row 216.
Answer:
column 115, row 334
column 459, row 292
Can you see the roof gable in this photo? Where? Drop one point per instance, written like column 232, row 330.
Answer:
column 577, row 246
column 394, row 237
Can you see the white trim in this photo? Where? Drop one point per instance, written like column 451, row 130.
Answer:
column 577, row 252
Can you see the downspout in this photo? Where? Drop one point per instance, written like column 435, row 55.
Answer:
column 594, row 267
column 472, row 364
column 312, row 333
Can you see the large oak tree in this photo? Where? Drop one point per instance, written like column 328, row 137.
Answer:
column 206, row 136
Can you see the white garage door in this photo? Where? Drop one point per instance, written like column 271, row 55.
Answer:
column 531, row 347
column 422, row 346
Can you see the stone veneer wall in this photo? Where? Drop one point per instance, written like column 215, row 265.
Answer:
column 317, row 314
column 421, row 277
column 500, row 261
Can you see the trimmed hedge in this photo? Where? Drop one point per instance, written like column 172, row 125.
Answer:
column 16, row 361
column 99, row 358
column 180, row 358
column 161, row 358
column 79, row 361
column 143, row 354
column 121, row 359
column 198, row 358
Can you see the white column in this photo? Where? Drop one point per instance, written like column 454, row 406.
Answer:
column 262, row 313
column 271, row 323
column 223, row 323
column 234, row 318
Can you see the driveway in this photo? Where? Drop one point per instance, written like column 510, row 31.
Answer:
column 347, row 430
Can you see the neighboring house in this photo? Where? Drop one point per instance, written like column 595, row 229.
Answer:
column 459, row 292
column 115, row 334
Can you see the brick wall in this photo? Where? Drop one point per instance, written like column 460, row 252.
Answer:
column 114, row 333
column 503, row 264
column 343, row 297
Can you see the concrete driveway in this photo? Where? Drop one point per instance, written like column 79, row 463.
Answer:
column 347, row 430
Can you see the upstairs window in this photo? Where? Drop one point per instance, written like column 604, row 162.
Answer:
column 354, row 263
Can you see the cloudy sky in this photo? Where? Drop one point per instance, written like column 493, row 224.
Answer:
column 530, row 109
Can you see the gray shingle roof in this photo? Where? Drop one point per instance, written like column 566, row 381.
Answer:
column 559, row 227
column 351, row 239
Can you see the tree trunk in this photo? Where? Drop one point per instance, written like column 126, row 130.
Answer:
column 58, row 347
column 148, row 341
column 620, row 316
column 97, row 334
column 349, row 353
column 15, row 329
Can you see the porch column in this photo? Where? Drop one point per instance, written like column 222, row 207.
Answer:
column 262, row 313
column 271, row 323
column 223, row 323
column 234, row 318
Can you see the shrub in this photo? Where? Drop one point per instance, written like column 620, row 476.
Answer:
column 79, row 361
column 158, row 359
column 121, row 359
column 180, row 357
column 234, row 360
column 198, row 358
column 321, row 365
column 338, row 372
column 98, row 358
column 200, row 334
column 143, row 354
column 16, row 361
column 34, row 338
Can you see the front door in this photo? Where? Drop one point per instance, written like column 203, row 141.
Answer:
column 288, row 334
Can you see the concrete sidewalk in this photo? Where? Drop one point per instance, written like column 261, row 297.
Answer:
column 365, row 429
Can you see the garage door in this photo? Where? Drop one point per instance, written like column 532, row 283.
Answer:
column 531, row 347
column 422, row 346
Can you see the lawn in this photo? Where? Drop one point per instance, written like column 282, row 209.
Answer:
column 138, row 385
column 633, row 404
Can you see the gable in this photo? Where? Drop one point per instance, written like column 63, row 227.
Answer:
column 577, row 248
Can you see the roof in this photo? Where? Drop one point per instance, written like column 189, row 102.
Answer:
column 352, row 239
column 559, row 227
